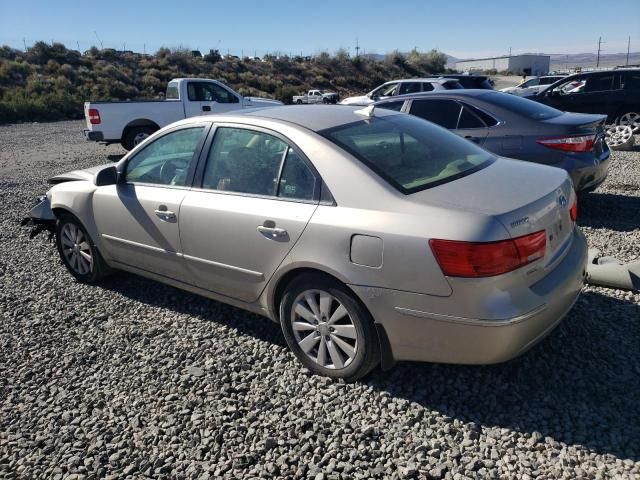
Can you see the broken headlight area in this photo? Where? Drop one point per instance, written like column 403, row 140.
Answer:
column 41, row 218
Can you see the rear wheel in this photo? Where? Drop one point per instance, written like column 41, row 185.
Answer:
column 136, row 135
column 327, row 328
column 631, row 119
column 299, row 102
column 77, row 251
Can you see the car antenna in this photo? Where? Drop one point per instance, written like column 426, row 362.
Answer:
column 367, row 111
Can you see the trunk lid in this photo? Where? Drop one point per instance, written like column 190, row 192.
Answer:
column 524, row 197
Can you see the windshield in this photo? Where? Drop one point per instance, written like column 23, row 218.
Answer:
column 521, row 106
column 385, row 90
column 408, row 152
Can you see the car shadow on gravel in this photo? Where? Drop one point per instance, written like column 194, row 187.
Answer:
column 579, row 386
column 611, row 210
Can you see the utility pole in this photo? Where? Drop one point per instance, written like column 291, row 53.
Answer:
column 598, row 58
column 357, row 49
column 509, row 51
column 144, row 48
column 628, row 46
column 78, row 44
column 24, row 42
column 99, row 41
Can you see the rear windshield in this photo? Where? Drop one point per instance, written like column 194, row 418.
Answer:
column 172, row 92
column 408, row 152
column 521, row 106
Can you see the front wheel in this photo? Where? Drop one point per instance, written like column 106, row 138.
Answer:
column 327, row 329
column 77, row 251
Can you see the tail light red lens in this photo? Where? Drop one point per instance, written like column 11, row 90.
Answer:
column 94, row 116
column 487, row 259
column 573, row 211
column 577, row 143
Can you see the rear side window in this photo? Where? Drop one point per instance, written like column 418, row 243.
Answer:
column 469, row 120
column 442, row 112
column 521, row 106
column 297, row 181
column 427, row 87
column 172, row 92
column 409, row 87
column 597, row 83
column 452, row 85
column 244, row 161
column 409, row 154
column 395, row 106
column 631, row 81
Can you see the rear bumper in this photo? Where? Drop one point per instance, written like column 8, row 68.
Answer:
column 588, row 178
column 420, row 328
column 93, row 135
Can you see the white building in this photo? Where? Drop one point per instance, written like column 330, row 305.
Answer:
column 516, row 64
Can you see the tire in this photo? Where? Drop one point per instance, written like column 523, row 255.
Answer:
column 631, row 119
column 87, row 265
column 619, row 137
column 299, row 102
column 342, row 356
column 325, row 101
column 134, row 135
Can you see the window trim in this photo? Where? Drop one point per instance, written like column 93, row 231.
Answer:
column 208, row 145
column 192, row 163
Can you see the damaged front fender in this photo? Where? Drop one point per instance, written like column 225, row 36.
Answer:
column 41, row 218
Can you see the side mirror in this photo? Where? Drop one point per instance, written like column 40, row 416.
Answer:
column 106, row 176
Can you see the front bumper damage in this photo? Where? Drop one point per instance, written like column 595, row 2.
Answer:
column 41, row 218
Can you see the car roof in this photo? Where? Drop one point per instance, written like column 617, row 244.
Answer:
column 468, row 92
column 311, row 117
column 423, row 79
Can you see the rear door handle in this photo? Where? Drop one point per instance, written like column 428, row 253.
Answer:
column 206, row 108
column 274, row 233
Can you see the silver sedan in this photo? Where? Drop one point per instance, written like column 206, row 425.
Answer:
column 370, row 236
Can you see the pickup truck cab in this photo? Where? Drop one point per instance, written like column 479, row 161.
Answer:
column 316, row 96
column 130, row 122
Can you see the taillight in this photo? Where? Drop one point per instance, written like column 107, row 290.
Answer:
column 578, row 143
column 486, row 259
column 573, row 211
column 94, row 116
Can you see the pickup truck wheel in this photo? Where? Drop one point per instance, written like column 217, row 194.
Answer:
column 299, row 102
column 325, row 100
column 136, row 135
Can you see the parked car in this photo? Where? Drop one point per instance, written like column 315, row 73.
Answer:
column 316, row 96
column 369, row 236
column 533, row 85
column 518, row 128
column 471, row 80
column 403, row 87
column 129, row 123
column 614, row 93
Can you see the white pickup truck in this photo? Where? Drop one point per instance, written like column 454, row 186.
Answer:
column 130, row 122
column 316, row 96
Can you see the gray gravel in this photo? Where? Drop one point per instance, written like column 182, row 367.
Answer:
column 135, row 379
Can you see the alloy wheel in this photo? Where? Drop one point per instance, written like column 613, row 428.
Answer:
column 619, row 136
column 631, row 119
column 324, row 329
column 76, row 249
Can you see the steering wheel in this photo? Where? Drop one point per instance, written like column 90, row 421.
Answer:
column 168, row 171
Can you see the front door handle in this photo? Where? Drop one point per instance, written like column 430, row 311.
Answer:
column 164, row 214
column 274, row 233
column 206, row 108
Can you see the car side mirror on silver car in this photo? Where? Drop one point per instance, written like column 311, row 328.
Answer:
column 106, row 176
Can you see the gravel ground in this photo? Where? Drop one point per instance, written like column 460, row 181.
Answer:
column 135, row 379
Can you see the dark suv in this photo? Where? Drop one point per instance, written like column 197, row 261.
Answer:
column 615, row 93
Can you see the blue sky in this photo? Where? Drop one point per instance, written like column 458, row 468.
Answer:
column 463, row 28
